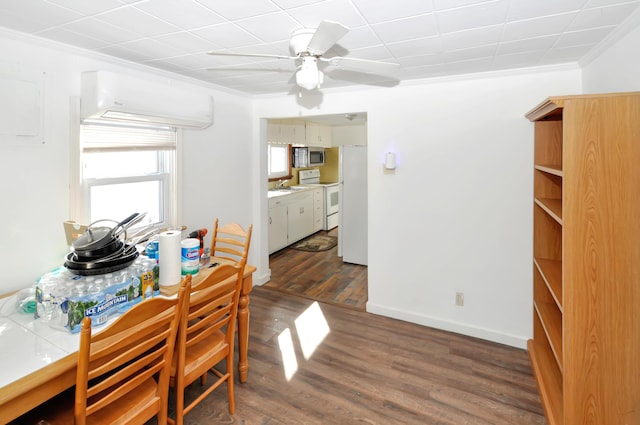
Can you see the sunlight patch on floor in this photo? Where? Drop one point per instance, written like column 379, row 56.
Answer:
column 312, row 328
column 288, row 354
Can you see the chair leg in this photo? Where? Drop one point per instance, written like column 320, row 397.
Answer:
column 230, row 395
column 179, row 407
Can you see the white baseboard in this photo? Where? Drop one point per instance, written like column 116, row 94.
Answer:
column 448, row 325
column 259, row 280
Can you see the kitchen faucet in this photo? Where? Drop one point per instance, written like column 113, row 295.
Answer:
column 280, row 184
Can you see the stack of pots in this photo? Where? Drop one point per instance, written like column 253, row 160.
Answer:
column 101, row 250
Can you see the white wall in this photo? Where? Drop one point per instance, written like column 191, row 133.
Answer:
column 616, row 69
column 218, row 175
column 34, row 176
column 457, row 215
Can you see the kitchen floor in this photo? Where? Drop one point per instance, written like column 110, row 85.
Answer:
column 320, row 276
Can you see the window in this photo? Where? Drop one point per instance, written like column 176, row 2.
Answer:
column 127, row 169
column 278, row 158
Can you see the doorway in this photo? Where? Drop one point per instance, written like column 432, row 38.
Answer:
column 323, row 276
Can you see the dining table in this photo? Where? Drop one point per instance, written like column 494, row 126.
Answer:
column 38, row 360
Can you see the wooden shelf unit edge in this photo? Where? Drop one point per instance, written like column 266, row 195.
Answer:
column 550, row 391
column 545, row 109
column 551, row 272
column 551, row 207
column 554, row 169
column 552, row 330
column 553, row 103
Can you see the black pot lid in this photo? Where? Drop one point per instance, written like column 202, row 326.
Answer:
column 93, row 238
column 97, row 237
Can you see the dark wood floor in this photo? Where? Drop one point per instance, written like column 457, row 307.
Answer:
column 319, row 276
column 370, row 370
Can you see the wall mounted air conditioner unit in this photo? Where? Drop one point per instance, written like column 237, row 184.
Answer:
column 108, row 95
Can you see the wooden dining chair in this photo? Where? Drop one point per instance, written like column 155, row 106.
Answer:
column 206, row 337
column 123, row 371
column 230, row 242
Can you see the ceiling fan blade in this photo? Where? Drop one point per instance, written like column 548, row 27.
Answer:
column 327, row 34
column 364, row 65
column 252, row 55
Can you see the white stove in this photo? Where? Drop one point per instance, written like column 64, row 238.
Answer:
column 331, row 205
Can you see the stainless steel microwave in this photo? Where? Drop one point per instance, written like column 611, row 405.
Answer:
column 304, row 157
column 316, row 156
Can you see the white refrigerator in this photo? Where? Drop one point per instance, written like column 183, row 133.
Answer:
column 352, row 224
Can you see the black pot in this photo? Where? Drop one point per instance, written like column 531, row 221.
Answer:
column 94, row 254
column 95, row 267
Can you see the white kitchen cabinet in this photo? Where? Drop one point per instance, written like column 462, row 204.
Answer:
column 291, row 218
column 318, row 209
column 286, row 132
column 277, row 225
column 318, row 135
column 300, row 216
column 273, row 132
column 349, row 135
column 296, row 133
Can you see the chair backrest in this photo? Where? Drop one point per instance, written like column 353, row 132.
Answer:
column 213, row 305
column 230, row 242
column 114, row 363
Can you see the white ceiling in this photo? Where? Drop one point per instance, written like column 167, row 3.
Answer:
column 427, row 38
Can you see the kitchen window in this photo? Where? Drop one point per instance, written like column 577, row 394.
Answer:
column 128, row 168
column 279, row 161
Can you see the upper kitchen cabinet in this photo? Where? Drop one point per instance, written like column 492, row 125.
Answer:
column 286, row 132
column 349, row 135
column 318, row 135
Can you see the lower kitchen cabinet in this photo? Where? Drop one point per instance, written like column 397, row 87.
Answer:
column 291, row 218
column 300, row 216
column 277, row 226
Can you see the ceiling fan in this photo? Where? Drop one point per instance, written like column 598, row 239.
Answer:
column 308, row 45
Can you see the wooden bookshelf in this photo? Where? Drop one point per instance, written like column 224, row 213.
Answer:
column 586, row 279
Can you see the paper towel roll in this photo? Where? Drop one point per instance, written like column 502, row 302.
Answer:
column 169, row 253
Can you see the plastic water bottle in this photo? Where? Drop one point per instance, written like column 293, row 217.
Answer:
column 151, row 249
column 46, row 303
column 108, row 280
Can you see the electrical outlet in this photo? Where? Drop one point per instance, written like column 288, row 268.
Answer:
column 460, row 299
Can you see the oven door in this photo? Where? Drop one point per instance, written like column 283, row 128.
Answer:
column 332, row 199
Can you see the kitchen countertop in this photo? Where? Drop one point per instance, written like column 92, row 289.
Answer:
column 272, row 193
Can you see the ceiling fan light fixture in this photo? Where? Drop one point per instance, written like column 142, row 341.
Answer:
column 308, row 76
column 309, row 45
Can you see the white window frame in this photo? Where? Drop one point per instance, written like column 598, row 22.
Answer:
column 79, row 187
column 164, row 179
column 280, row 174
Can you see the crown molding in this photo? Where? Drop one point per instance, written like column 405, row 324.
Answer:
column 630, row 24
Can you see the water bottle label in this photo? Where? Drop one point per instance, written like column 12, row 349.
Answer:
column 146, row 280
